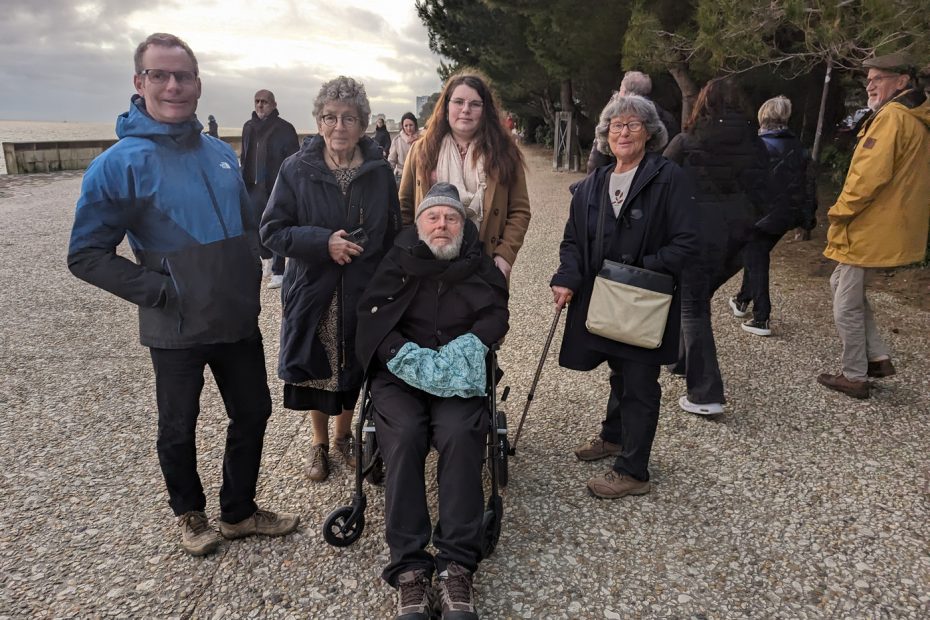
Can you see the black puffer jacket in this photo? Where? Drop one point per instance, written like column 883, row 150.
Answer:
column 795, row 205
column 729, row 165
column 305, row 208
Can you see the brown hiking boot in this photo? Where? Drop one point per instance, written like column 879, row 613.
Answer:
column 318, row 469
column 197, row 537
column 414, row 596
column 596, row 448
column 263, row 522
column 881, row 369
column 456, row 593
column 613, row 485
column 345, row 446
column 856, row 389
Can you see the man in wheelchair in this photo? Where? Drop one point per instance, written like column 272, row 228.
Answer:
column 426, row 321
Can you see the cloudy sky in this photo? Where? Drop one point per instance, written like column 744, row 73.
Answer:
column 72, row 59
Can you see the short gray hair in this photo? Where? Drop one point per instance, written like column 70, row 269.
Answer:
column 344, row 90
column 636, row 83
column 638, row 106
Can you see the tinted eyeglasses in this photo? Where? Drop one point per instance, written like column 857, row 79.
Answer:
column 330, row 120
column 160, row 76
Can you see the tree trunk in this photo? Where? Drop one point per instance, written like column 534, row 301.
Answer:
column 815, row 151
column 565, row 96
column 689, row 90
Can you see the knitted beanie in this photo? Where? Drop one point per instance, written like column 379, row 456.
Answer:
column 444, row 194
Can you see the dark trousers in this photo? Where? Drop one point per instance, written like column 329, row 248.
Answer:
column 259, row 199
column 632, row 414
column 698, row 351
column 755, row 287
column 407, row 421
column 239, row 371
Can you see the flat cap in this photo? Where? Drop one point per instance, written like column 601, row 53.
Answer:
column 899, row 62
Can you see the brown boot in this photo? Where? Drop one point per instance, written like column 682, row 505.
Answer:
column 596, row 448
column 881, row 369
column 856, row 389
column 613, row 485
column 345, row 446
column 318, row 469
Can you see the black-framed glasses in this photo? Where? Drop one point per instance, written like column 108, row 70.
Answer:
column 161, row 76
column 330, row 120
column 633, row 126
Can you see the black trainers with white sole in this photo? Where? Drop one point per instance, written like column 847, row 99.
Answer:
column 759, row 328
column 740, row 308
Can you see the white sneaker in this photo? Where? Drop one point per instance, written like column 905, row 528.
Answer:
column 702, row 409
column 740, row 309
column 276, row 282
column 266, row 267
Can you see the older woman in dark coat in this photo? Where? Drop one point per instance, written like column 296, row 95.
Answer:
column 649, row 223
column 334, row 213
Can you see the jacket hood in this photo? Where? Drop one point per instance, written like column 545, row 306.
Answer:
column 138, row 124
column 916, row 104
column 729, row 128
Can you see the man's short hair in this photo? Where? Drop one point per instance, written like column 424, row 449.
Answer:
column 162, row 39
column 265, row 91
column 636, row 83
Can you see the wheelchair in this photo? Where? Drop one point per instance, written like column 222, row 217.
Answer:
column 345, row 524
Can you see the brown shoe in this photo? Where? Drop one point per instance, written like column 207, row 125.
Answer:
column 856, row 389
column 613, row 485
column 262, row 522
column 318, row 469
column 197, row 537
column 345, row 446
column 881, row 369
column 596, row 448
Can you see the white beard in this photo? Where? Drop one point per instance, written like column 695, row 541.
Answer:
column 449, row 251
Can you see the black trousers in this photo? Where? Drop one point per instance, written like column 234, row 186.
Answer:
column 239, row 371
column 259, row 199
column 755, row 287
column 632, row 414
column 407, row 421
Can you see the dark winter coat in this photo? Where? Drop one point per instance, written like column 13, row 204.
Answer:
column 657, row 223
column 383, row 138
column 416, row 297
column 305, row 208
column 266, row 143
column 795, row 204
column 176, row 194
column 729, row 165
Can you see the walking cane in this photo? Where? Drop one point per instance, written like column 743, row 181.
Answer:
column 529, row 397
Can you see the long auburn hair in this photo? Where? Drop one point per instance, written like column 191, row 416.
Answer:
column 717, row 96
column 502, row 158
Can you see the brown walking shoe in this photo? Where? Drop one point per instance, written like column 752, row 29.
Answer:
column 856, row 389
column 613, row 485
column 197, row 537
column 414, row 596
column 456, row 593
column 345, row 446
column 596, row 448
column 262, row 522
column 318, row 469
column 881, row 369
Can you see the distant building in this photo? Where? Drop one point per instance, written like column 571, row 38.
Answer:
column 421, row 101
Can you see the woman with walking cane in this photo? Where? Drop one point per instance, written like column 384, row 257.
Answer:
column 633, row 217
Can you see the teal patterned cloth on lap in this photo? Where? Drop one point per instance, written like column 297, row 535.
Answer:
column 456, row 369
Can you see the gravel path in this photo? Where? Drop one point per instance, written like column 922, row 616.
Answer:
column 797, row 503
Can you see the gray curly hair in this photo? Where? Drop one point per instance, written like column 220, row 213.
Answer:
column 638, row 106
column 345, row 90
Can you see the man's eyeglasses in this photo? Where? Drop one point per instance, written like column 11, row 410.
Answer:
column 330, row 120
column 463, row 103
column 878, row 78
column 633, row 126
column 160, row 76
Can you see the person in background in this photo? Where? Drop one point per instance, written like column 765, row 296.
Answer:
column 334, row 213
column 177, row 195
column 729, row 165
column 212, row 128
column 466, row 145
column 382, row 137
column 267, row 140
column 794, row 206
column 647, row 204
column 881, row 217
column 400, row 146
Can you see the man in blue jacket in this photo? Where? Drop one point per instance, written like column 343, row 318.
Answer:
column 178, row 196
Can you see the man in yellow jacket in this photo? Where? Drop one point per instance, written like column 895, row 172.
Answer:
column 881, row 217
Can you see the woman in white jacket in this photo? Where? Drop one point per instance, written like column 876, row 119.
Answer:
column 400, row 146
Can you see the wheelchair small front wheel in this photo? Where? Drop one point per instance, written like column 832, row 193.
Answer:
column 341, row 529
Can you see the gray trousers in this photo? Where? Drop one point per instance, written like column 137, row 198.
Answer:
column 855, row 322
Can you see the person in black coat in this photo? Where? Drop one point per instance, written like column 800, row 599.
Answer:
column 436, row 295
column 722, row 153
column 334, row 213
column 649, row 224
column 382, row 137
column 793, row 206
column 267, row 140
